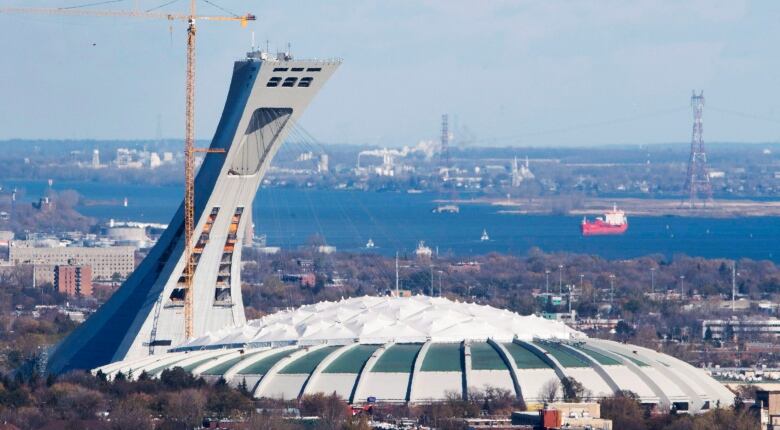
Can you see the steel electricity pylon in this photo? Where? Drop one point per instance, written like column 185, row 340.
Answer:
column 697, row 179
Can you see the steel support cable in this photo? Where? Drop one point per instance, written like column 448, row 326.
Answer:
column 162, row 6
column 297, row 141
column 220, row 8
column 358, row 202
column 281, row 231
column 311, row 205
column 306, row 139
column 309, row 144
column 85, row 5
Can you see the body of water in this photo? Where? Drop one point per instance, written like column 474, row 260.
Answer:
column 397, row 221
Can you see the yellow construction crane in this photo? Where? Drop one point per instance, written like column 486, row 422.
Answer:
column 189, row 134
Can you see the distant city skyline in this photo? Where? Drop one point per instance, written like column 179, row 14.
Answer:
column 521, row 73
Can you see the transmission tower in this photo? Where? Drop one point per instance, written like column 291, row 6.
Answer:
column 697, row 180
column 445, row 144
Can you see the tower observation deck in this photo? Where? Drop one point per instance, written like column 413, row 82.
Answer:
column 145, row 316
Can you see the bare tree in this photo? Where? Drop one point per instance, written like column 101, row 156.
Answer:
column 186, row 406
column 132, row 413
column 550, row 389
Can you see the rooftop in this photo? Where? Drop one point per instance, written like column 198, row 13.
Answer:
column 378, row 320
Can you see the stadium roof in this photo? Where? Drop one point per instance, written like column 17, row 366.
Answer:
column 370, row 319
column 422, row 349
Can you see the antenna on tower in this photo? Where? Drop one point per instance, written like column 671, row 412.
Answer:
column 697, row 179
column 253, row 41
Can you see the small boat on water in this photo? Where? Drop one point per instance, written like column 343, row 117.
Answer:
column 446, row 209
column 484, row 237
column 423, row 251
column 370, row 244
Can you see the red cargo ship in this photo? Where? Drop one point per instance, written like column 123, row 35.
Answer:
column 613, row 222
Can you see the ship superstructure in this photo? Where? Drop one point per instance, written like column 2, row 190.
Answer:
column 146, row 315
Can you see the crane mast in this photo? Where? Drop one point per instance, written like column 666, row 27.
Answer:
column 189, row 176
column 189, row 126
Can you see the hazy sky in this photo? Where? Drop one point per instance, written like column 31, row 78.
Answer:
column 540, row 73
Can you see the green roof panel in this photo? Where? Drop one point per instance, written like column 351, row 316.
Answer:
column 562, row 354
column 309, row 362
column 524, row 358
column 443, row 357
column 485, row 357
column 600, row 358
column 262, row 366
column 399, row 358
column 353, row 360
column 223, row 367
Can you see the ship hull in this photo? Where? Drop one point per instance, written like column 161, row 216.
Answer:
column 600, row 229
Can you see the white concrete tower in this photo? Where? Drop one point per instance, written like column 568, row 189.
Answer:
column 146, row 315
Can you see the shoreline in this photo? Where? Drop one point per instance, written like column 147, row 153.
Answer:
column 632, row 206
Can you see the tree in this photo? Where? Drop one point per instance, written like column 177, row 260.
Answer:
column 72, row 401
column 132, row 413
column 624, row 331
column 331, row 409
column 178, row 378
column 573, row 390
column 708, row 334
column 728, row 333
column 265, row 422
column 549, row 391
column 185, row 408
column 226, row 402
column 624, row 410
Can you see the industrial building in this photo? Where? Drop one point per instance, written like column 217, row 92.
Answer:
column 421, row 349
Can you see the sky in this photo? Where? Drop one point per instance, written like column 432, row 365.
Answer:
column 541, row 73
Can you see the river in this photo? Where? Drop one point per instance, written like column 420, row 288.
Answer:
column 398, row 221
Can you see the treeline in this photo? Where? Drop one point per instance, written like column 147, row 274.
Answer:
column 627, row 413
column 175, row 401
column 506, row 280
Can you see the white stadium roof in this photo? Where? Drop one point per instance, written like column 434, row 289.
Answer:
column 420, row 349
column 389, row 319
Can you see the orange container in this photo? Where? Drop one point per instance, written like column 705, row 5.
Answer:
column 551, row 418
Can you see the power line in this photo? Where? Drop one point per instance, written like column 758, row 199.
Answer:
column 745, row 115
column 582, row 126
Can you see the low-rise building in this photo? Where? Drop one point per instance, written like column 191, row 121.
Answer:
column 105, row 262
column 769, row 402
column 73, row 280
column 727, row 329
column 564, row 415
